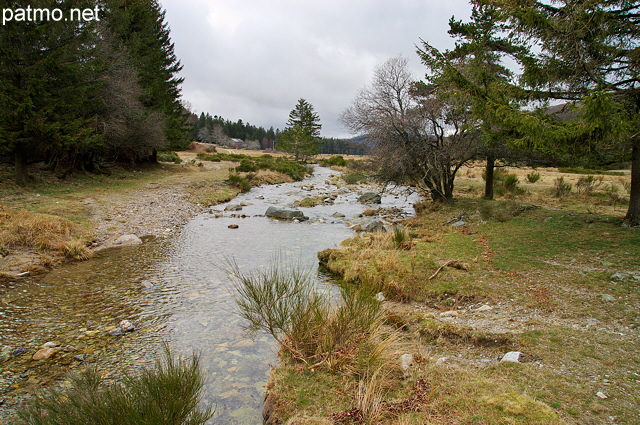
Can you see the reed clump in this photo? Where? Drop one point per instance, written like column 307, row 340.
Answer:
column 167, row 394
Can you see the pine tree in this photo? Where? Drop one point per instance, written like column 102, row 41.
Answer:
column 588, row 55
column 141, row 28
column 475, row 68
column 48, row 90
column 301, row 136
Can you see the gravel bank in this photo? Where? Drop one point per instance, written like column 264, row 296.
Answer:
column 152, row 212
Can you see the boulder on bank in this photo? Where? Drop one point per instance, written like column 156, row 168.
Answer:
column 375, row 226
column 370, row 198
column 128, row 240
column 285, row 214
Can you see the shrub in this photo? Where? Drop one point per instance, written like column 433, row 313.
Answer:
column 586, row 185
column 562, row 188
column 533, row 177
column 613, row 192
column 309, row 327
column 239, row 182
column 167, row 394
column 169, row 156
column 247, row 166
column 233, row 157
column 626, row 185
column 499, row 174
column 337, row 160
column 510, row 182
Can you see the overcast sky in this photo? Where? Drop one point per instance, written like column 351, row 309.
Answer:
column 253, row 59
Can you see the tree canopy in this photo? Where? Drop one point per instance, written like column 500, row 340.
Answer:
column 78, row 94
column 422, row 134
column 586, row 53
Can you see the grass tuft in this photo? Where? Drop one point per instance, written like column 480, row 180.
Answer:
column 167, row 394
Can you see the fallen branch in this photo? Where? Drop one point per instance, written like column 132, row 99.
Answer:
column 451, row 263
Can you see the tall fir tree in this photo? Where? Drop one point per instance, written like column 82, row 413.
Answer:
column 141, row 28
column 48, row 90
column 301, row 136
column 476, row 69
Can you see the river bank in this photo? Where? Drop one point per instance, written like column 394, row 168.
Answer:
column 91, row 213
column 521, row 310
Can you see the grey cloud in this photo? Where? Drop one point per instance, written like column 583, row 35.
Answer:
column 253, row 59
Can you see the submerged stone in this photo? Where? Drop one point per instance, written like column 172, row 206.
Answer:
column 127, row 326
column 370, row 198
column 45, row 353
column 18, row 351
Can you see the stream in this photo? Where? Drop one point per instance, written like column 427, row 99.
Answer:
column 178, row 291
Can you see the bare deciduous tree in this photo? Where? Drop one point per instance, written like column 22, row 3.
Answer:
column 421, row 136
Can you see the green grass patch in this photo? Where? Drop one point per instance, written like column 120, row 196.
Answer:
column 209, row 193
column 309, row 202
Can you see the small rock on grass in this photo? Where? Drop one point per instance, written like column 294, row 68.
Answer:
column 484, row 308
column 601, row 395
column 406, row 360
column 512, row 356
column 126, row 240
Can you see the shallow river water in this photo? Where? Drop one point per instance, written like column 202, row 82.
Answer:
column 177, row 291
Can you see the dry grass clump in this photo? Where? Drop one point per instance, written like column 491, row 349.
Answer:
column 310, row 327
column 335, row 340
column 77, row 250
column 380, row 262
column 41, row 232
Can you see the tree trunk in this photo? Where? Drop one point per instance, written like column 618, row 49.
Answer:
column 488, row 184
column 633, row 214
column 20, row 170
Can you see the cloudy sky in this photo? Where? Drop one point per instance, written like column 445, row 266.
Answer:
column 253, row 59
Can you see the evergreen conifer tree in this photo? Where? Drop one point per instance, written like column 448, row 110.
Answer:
column 141, row 28
column 48, row 89
column 586, row 54
column 301, row 136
